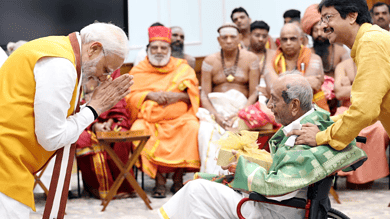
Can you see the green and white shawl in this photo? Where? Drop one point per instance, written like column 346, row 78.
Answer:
column 293, row 167
column 298, row 166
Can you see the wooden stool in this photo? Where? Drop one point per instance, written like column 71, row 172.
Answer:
column 38, row 181
column 106, row 138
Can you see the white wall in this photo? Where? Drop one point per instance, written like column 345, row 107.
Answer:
column 200, row 19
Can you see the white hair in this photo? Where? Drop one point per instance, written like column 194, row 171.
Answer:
column 298, row 88
column 113, row 38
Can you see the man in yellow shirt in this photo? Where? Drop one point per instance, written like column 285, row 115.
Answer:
column 348, row 22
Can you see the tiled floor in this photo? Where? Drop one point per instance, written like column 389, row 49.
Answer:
column 357, row 204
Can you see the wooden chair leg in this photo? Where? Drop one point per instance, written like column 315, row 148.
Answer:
column 334, row 194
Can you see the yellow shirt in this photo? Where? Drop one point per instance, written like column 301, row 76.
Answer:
column 370, row 94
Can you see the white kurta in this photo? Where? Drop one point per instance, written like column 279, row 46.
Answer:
column 210, row 200
column 227, row 104
column 55, row 80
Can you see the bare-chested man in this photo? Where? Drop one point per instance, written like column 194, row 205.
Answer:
column 380, row 14
column 177, row 46
column 241, row 18
column 291, row 55
column 229, row 80
column 331, row 54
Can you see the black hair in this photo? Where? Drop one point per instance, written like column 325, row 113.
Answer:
column 259, row 25
column 344, row 7
column 157, row 24
column 295, row 19
column 378, row 4
column 240, row 9
column 292, row 13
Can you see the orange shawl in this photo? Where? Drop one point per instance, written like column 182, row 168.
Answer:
column 174, row 128
column 280, row 66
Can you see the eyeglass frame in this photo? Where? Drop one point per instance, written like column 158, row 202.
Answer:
column 325, row 19
column 107, row 69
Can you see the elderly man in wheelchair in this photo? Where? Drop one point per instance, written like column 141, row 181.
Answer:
column 294, row 170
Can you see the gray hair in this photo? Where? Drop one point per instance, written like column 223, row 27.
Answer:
column 112, row 38
column 298, row 88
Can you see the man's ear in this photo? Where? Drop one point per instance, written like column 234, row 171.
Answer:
column 295, row 106
column 94, row 48
column 352, row 17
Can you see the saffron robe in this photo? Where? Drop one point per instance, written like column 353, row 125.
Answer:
column 173, row 128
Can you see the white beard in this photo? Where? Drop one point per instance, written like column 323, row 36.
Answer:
column 88, row 68
column 159, row 60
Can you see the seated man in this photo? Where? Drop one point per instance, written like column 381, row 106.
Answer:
column 164, row 100
column 377, row 138
column 97, row 167
column 293, row 167
column 331, row 54
column 177, row 46
column 292, row 55
column 229, row 80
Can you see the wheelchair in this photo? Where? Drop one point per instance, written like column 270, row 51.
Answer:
column 317, row 205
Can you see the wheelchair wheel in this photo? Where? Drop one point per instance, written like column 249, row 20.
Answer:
column 335, row 214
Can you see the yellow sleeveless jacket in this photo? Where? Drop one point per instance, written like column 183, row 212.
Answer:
column 20, row 153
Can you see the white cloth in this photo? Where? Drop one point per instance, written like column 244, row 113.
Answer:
column 55, row 79
column 12, row 209
column 227, row 104
column 3, row 56
column 295, row 125
column 205, row 199
column 141, row 55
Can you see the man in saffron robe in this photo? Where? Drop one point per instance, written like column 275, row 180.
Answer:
column 165, row 100
column 97, row 167
column 292, row 55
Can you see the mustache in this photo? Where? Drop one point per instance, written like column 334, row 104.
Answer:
column 381, row 19
column 328, row 30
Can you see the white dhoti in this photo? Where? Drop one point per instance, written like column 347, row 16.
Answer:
column 205, row 199
column 227, row 104
column 12, row 209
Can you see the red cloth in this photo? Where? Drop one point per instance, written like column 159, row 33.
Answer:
column 98, row 169
column 160, row 33
column 254, row 117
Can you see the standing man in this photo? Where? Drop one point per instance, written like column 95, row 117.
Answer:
column 380, row 13
column 177, row 46
column 349, row 22
column 241, row 18
column 39, row 91
column 331, row 54
column 258, row 41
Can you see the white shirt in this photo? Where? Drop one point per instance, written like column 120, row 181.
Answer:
column 55, row 80
column 3, row 56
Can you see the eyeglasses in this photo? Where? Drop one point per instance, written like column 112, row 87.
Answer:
column 106, row 69
column 325, row 19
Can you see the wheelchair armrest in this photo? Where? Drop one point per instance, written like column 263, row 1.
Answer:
column 292, row 202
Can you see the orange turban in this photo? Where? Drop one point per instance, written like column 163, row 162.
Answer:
column 159, row 33
column 310, row 18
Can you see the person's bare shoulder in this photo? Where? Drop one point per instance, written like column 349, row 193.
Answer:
column 212, row 59
column 248, row 55
column 271, row 53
